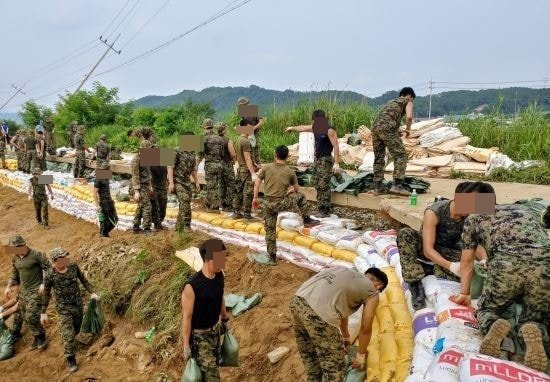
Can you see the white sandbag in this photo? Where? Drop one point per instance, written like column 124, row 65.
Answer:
column 256, row 247
column 354, row 324
column 350, row 223
column 332, row 236
column 284, row 246
column 332, row 220
column 445, row 367
column 387, row 248
column 439, row 135
column 361, row 264
column 425, row 327
column 350, row 242
column 498, row 160
column 483, row 368
column 434, row 288
column 315, row 230
column 319, row 259
column 340, row 263
column 368, row 162
column 291, row 224
column 422, row 358
column 287, row 215
column 306, row 148
column 255, row 238
column 369, row 253
column 370, row 237
column 459, row 334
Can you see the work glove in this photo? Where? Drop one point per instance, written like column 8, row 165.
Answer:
column 44, row 319
column 95, row 296
column 358, row 361
column 455, row 268
column 186, row 352
column 336, row 168
column 98, row 209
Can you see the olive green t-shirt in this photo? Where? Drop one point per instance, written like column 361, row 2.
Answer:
column 336, row 293
column 27, row 271
column 277, row 179
column 242, row 146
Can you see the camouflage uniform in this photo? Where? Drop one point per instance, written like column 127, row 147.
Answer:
column 41, row 158
column 160, row 198
column 27, row 272
column 322, row 172
column 385, row 134
column 205, row 348
column 256, row 147
column 102, row 150
column 184, row 165
column 68, row 303
column 3, row 150
column 19, row 152
column 40, row 200
column 31, row 158
column 319, row 344
column 447, row 242
column 70, row 134
column 518, row 249
column 146, row 133
column 141, row 181
column 213, row 152
column 244, row 188
column 107, row 206
column 80, row 158
column 227, row 180
column 50, row 137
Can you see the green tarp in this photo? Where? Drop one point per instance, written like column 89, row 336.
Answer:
column 541, row 209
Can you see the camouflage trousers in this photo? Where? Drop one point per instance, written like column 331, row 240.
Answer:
column 322, row 172
column 50, row 143
column 390, row 139
column 184, row 193
column 3, row 159
column 42, row 163
column 69, row 319
column 70, row 140
column 144, row 210
column 213, row 174
column 30, row 304
column 79, row 164
column 205, row 348
column 271, row 209
column 244, row 191
column 20, row 160
column 41, row 208
column 413, row 261
column 227, row 185
column 31, row 160
column 512, row 277
column 111, row 217
column 158, row 204
column 319, row 344
column 17, row 322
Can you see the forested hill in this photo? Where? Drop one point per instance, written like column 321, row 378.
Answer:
column 446, row 103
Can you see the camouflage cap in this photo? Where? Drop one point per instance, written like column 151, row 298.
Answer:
column 48, row 119
column 208, row 123
column 103, row 166
column 58, row 252
column 80, row 127
column 103, row 137
column 242, row 101
column 145, row 144
column 221, row 126
column 74, row 123
column 17, row 240
column 36, row 171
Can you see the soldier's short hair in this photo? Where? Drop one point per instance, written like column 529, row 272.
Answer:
column 407, row 91
column 281, row 152
column 318, row 113
column 209, row 246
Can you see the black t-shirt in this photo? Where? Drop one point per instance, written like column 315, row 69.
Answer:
column 208, row 300
column 103, row 190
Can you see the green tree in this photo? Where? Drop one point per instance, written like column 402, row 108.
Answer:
column 32, row 113
column 144, row 116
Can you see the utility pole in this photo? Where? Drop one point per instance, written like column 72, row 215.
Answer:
column 431, row 83
column 109, row 47
column 18, row 90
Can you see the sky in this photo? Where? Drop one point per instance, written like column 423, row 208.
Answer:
column 366, row 46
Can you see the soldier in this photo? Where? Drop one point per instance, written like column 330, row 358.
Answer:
column 102, row 151
column 63, row 279
column 50, row 137
column 203, row 308
column 254, row 139
column 519, row 265
column 27, row 268
column 37, row 192
column 17, row 143
column 80, row 158
column 212, row 154
column 227, row 180
column 41, row 149
column 385, row 133
column 31, row 158
column 436, row 249
column 3, row 145
column 179, row 182
column 324, row 165
column 320, row 310
column 71, row 130
column 159, row 181
column 281, row 193
column 143, row 133
column 105, row 204
column 244, row 182
column 141, row 184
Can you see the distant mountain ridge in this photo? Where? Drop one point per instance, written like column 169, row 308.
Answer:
column 223, row 99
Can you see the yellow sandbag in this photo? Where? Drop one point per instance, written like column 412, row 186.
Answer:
column 383, row 300
column 392, row 276
column 385, row 320
column 395, row 294
column 373, row 355
column 254, row 227
column 262, row 231
column 207, row 217
column 194, row 215
column 228, row 223
column 217, row 222
column 405, row 345
column 402, row 370
column 240, row 226
column 344, row 254
column 402, row 320
column 287, row 235
column 388, row 357
column 322, row 248
column 305, row 241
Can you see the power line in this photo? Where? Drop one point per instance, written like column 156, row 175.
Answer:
column 145, row 24
column 18, row 90
column 114, row 18
column 488, row 83
column 124, row 18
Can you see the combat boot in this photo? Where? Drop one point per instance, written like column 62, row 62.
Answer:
column 418, row 295
column 535, row 356
column 309, row 222
column 15, row 337
column 379, row 189
column 491, row 343
column 41, row 342
column 399, row 189
column 71, row 363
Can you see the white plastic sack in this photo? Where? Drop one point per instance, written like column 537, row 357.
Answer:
column 498, row 160
column 332, row 236
column 459, row 334
column 439, row 289
column 387, row 248
column 425, row 327
column 287, row 215
column 482, row 368
column 438, row 136
column 361, row 264
column 350, row 242
column 445, row 367
column 370, row 237
column 354, row 324
column 422, row 358
column 291, row 224
column 306, row 149
column 314, row 231
column 370, row 254
column 368, row 162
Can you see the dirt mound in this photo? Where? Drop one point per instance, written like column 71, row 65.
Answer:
column 131, row 272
